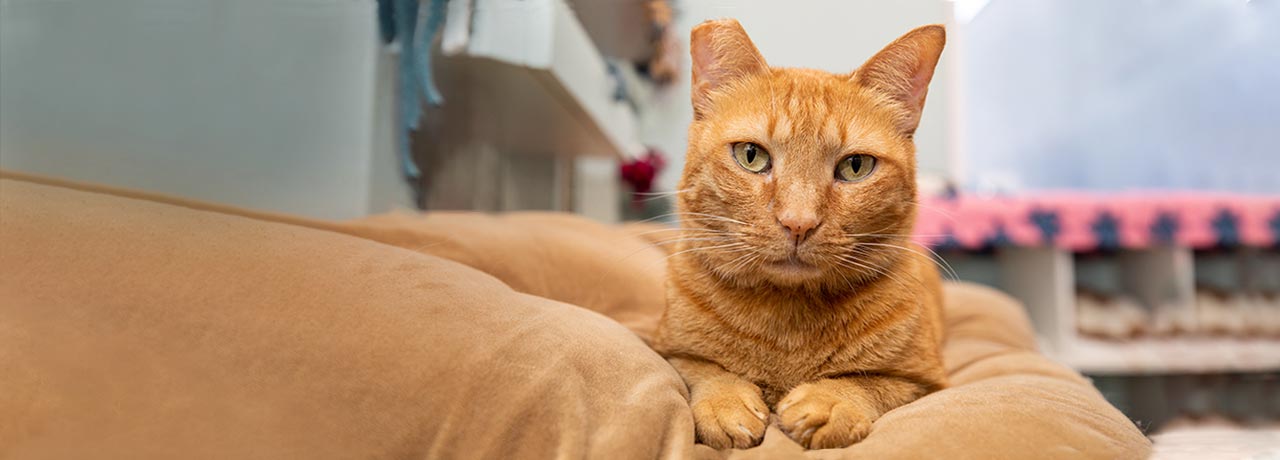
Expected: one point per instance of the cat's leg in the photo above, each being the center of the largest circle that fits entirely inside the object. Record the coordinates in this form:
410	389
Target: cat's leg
838	412
728	412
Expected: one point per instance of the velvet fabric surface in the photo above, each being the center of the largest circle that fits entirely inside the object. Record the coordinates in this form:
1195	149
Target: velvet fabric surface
141	326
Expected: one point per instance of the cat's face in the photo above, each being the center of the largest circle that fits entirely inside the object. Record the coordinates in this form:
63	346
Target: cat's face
796	176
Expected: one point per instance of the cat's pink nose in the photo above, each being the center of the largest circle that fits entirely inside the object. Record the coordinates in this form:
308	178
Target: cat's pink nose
800	226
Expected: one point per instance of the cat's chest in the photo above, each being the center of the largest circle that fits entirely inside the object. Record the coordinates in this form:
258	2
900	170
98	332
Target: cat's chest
779	344
786	359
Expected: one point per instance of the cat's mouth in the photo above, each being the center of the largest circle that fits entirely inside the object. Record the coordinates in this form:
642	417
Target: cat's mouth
792	262
792	268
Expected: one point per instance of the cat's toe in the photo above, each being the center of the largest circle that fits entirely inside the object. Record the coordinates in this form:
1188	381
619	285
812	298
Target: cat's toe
846	426
734	420
820	420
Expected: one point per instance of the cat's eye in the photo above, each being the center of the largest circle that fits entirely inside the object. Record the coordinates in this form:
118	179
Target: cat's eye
854	168
751	157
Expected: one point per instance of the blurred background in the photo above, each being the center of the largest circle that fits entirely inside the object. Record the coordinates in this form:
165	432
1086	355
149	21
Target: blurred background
1112	164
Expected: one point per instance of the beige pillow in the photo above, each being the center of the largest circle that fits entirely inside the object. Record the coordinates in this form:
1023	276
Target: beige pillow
134	329
142	326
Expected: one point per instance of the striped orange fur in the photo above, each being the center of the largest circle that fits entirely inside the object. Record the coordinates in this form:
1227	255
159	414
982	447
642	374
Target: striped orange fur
792	290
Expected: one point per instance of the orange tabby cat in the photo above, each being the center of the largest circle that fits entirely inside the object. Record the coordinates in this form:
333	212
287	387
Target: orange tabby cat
795	285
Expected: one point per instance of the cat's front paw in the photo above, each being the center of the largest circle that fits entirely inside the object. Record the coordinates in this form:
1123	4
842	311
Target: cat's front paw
729	415
820	417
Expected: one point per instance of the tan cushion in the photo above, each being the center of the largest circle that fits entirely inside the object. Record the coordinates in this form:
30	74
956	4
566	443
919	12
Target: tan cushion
142	326
133	329
558	256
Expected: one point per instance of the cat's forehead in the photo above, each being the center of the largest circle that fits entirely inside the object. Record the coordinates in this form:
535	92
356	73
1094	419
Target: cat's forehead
806	106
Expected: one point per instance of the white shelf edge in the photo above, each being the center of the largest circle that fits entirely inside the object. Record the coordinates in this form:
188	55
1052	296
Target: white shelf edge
1192	355
545	39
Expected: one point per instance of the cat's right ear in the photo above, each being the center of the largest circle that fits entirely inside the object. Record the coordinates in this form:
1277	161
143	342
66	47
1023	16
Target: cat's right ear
722	52
902	70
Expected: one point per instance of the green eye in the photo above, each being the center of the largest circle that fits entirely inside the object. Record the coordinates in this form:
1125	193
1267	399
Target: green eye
752	157
854	168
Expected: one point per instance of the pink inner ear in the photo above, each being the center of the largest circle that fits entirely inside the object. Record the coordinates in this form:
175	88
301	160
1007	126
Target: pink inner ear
721	52
903	70
700	51
920	84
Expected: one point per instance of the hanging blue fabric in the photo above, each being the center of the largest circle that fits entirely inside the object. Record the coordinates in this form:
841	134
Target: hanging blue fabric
429	23
386	21
406	15
414	28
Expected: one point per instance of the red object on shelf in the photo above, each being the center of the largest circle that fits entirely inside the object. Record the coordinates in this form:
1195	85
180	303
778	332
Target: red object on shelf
641	172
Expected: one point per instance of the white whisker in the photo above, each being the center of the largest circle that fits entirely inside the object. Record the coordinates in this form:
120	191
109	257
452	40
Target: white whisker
943	212
937	260
689	229
696	214
681	240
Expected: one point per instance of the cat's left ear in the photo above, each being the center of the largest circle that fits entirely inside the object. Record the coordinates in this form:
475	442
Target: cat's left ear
902	72
722	52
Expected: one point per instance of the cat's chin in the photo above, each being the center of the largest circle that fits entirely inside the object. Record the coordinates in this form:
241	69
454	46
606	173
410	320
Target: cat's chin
791	271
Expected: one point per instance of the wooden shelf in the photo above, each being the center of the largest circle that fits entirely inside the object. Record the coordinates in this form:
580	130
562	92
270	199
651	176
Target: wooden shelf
529	80
1171	355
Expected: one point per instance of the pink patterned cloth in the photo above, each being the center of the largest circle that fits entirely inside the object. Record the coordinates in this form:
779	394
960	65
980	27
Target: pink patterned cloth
1081	221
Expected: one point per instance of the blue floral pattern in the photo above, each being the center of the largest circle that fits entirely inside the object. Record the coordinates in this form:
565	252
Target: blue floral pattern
1107	229
1047	222
1227	227
949	241
1275	229
1165	228
999	238
1091	222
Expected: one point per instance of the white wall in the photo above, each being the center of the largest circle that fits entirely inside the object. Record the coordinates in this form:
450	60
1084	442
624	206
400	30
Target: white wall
832	35
264	104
